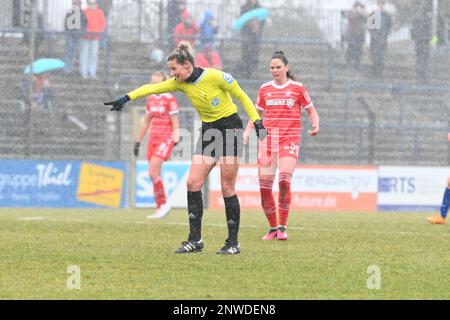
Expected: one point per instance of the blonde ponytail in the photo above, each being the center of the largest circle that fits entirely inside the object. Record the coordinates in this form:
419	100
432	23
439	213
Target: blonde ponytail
183	53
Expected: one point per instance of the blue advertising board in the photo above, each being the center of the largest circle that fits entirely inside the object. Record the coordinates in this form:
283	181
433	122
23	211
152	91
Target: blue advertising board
174	176
62	184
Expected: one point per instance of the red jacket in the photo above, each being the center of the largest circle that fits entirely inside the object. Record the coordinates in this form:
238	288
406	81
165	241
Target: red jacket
183	32
96	22
214	61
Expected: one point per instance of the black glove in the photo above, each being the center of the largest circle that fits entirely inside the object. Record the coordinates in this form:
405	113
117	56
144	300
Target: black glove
261	132
118	104
136	149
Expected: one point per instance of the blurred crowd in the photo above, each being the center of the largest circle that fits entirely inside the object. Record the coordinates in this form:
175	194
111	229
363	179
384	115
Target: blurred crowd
86	29
182	27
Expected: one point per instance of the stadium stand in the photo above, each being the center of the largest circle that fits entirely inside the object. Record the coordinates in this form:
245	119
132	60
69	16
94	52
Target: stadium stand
392	120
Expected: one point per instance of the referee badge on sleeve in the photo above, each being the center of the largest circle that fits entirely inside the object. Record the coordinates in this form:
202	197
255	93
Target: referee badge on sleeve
228	78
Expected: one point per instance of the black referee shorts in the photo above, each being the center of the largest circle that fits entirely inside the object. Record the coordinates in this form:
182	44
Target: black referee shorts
221	138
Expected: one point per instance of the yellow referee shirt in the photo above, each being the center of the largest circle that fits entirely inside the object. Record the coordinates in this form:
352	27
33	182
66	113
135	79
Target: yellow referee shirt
210	95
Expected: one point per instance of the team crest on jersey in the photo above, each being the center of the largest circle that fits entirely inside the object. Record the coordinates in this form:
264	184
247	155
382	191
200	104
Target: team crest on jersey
215	102
228	78
290	103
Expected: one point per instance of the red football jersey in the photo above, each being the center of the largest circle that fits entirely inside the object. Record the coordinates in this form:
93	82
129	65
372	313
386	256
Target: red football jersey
161	107
283	108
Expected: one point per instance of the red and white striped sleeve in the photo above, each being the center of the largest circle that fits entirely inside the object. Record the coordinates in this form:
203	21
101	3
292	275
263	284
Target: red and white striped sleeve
173	105
261	100
148	105
305	99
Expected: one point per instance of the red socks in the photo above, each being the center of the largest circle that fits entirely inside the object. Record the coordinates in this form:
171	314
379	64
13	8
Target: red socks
284	197
158	191
267	202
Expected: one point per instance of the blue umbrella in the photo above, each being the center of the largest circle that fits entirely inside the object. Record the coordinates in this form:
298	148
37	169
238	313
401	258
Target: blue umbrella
45	65
260	14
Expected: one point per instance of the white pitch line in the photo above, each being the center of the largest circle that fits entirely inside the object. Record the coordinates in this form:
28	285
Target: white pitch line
403	233
250	226
31	219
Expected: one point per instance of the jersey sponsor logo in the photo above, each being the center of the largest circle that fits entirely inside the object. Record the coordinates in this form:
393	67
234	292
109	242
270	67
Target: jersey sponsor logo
228	78
280	102
215	102
157	109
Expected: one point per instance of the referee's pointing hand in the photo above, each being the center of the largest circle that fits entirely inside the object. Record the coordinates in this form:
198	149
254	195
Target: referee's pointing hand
118	104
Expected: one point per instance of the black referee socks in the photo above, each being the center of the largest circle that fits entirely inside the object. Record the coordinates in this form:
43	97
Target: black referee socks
195	211
233	213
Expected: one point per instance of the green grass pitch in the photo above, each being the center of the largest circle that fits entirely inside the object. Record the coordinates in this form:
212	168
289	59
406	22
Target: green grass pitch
122	255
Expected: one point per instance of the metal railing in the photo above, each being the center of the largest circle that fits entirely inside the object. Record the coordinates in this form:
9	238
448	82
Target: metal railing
377	144
435	123
397	91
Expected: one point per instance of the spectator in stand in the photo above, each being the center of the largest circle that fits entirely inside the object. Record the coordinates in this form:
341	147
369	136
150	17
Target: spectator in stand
106	6
16	12
421	34
251	37
42	91
75	26
208	29
174	10
40	36
186	30
379	37
356	35
96	23
208	58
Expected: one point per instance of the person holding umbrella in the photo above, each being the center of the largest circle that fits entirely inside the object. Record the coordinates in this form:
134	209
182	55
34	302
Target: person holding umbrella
42	91
251	37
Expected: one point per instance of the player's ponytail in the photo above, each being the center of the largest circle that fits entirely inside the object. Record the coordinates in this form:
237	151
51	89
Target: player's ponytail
183	53
280	56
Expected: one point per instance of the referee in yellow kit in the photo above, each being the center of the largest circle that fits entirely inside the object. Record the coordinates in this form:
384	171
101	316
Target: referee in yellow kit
209	91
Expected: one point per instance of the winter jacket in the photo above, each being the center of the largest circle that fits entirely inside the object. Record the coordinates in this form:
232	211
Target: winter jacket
96	23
